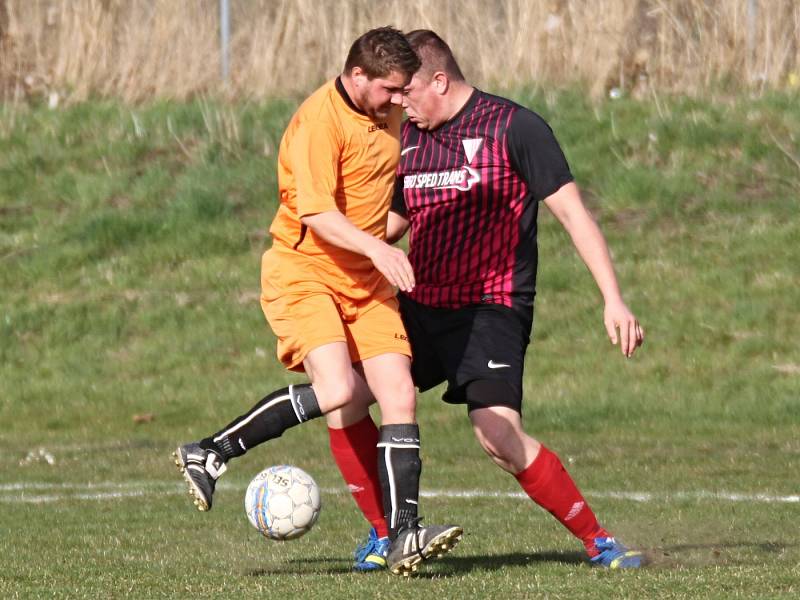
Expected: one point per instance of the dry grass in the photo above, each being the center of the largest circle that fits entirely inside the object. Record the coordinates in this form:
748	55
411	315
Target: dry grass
140	49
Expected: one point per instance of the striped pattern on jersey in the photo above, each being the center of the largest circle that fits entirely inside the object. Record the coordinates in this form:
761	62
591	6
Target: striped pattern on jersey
473	219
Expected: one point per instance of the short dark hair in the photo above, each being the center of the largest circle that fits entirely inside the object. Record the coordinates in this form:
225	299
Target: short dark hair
380	51
435	54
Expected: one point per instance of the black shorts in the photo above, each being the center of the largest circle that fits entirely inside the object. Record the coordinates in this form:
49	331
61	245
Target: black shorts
483	342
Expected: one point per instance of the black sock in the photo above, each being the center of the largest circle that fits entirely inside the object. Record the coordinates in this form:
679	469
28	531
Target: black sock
399	468
267	420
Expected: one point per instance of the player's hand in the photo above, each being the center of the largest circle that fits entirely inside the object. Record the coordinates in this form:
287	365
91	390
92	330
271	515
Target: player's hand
393	264
622	327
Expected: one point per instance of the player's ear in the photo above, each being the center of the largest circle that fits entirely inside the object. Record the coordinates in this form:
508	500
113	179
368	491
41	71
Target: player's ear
357	75
441	82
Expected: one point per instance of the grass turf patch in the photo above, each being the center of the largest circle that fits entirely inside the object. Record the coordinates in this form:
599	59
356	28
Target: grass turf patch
129	321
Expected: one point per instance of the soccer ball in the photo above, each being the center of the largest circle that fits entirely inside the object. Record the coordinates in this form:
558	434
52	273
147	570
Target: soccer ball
282	502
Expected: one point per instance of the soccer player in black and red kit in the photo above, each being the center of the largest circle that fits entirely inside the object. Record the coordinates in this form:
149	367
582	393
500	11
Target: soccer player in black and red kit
473	169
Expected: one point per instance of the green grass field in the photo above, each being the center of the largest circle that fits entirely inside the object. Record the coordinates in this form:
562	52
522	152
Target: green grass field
130	241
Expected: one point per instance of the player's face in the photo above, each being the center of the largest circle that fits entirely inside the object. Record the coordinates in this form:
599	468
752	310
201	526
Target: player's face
378	95
421	102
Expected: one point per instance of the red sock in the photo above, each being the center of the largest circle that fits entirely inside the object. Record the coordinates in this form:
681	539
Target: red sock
355	450
548	484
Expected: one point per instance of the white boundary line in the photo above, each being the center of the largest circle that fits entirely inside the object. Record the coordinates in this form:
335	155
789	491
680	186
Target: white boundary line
32	493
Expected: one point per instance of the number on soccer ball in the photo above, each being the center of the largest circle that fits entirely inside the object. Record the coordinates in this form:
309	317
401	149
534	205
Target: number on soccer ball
282	502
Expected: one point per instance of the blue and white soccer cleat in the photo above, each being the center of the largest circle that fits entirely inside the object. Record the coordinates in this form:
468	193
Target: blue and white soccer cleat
615	555
371	555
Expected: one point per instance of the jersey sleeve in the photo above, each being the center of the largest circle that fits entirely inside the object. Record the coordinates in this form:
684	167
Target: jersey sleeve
315	154
398	199
536	155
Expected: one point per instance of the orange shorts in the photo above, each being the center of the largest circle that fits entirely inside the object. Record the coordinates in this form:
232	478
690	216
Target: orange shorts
306	314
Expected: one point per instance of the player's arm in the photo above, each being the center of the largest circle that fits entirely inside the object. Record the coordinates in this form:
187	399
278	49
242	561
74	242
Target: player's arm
568	208
536	155
397	223
396	227
315	154
337	229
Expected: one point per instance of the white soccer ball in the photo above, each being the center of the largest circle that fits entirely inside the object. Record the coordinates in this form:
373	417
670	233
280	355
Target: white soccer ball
282	502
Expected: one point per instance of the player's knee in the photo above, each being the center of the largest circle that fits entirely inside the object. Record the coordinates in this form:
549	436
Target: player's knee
332	394
507	453
400	405
499	432
406	394
494	443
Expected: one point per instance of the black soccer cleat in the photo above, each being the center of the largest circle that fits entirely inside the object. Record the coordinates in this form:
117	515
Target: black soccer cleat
415	544
201	468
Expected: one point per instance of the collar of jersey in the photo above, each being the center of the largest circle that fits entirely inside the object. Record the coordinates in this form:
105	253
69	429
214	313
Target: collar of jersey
347	100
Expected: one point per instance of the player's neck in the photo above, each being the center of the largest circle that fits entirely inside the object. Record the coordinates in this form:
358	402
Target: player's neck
350	89
459	94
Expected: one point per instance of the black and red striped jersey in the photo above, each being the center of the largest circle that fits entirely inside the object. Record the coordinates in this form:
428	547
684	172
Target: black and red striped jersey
470	189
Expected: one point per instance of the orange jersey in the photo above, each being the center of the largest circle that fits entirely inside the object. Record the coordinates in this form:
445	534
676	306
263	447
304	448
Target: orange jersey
333	157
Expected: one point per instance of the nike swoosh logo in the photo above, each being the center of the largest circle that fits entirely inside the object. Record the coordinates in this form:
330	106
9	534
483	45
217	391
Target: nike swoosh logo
407	150
494	365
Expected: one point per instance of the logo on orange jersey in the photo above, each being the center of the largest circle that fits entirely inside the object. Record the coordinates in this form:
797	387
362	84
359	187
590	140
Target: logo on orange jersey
378	127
